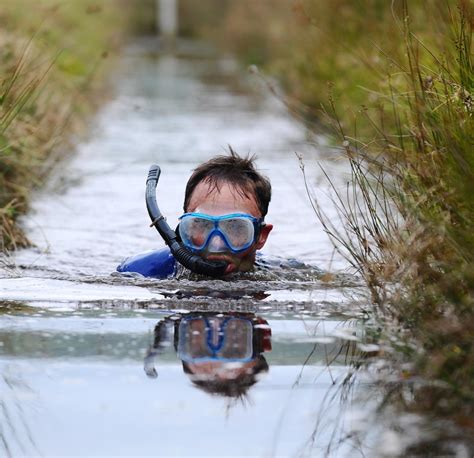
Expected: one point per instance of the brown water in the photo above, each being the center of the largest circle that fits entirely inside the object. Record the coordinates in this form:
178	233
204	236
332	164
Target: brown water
78	344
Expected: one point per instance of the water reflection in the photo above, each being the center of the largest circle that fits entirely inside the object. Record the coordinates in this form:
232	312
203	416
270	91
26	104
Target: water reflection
84	362
15	431
222	353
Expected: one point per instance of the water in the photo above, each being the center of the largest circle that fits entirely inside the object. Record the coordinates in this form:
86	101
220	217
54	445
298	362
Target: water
77	341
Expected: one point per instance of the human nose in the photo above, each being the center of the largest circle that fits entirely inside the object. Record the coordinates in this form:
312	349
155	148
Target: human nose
216	244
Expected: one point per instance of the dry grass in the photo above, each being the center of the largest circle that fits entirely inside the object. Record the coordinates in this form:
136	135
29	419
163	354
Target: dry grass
51	76
409	210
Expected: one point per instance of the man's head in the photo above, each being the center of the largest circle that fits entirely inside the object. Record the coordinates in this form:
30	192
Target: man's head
227	185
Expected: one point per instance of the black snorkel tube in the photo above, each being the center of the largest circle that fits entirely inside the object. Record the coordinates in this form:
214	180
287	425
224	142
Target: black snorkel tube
184	256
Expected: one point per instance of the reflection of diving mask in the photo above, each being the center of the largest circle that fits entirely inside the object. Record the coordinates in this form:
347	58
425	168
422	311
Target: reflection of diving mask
236	231
215	339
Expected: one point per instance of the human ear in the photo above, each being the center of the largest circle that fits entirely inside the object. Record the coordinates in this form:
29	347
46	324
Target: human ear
262	238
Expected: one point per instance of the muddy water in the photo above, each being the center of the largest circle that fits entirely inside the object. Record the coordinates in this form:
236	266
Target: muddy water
95	364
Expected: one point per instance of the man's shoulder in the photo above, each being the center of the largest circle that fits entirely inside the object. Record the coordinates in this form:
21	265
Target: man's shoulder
155	263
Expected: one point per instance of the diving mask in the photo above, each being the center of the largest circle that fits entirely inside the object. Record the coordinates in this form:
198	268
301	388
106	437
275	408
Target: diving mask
227	339
235	232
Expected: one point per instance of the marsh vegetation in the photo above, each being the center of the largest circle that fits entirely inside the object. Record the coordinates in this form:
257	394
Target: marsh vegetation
53	60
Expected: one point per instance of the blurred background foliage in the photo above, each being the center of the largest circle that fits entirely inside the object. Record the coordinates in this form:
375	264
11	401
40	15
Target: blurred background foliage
52	74
326	48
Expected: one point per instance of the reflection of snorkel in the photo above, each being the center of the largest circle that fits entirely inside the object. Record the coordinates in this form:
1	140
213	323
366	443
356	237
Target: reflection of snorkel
185	257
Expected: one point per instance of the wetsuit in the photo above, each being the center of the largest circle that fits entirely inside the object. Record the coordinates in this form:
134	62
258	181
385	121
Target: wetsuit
161	264
156	264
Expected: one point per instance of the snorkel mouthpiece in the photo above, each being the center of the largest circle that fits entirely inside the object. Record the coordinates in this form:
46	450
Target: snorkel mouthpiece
184	256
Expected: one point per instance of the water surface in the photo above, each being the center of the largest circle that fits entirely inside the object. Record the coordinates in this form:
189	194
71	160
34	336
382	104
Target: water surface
81	372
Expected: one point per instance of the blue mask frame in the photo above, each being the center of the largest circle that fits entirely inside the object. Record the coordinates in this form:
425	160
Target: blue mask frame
257	224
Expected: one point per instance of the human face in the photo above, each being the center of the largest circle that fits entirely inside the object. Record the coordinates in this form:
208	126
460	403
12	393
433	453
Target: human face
223	201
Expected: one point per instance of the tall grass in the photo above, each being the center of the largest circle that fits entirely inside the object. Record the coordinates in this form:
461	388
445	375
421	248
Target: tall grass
10	107
51	75
409	211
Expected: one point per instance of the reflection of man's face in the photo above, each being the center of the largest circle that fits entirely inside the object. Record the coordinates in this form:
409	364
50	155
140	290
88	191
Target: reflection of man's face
222	352
223	201
219	370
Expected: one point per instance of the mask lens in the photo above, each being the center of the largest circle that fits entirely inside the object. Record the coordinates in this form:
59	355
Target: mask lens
238	231
193	340
228	339
194	231
238	342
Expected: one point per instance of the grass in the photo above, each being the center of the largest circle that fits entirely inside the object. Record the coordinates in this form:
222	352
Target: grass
409	210
52	74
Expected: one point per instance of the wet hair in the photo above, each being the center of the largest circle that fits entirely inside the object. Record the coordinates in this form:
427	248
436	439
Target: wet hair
240	172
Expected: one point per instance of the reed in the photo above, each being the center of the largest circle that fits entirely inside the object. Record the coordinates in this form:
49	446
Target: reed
409	210
52	73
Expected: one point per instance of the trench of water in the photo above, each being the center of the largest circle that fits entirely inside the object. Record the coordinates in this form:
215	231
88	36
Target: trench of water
86	367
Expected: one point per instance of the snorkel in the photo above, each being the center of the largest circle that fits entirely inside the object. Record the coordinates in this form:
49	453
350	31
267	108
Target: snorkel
184	256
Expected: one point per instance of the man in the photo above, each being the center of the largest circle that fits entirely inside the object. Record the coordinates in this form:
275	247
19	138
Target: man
225	204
